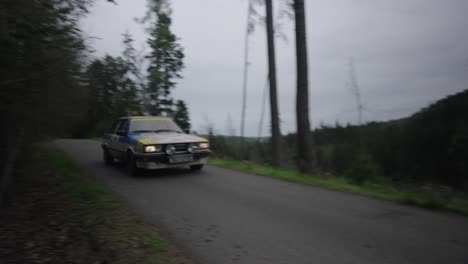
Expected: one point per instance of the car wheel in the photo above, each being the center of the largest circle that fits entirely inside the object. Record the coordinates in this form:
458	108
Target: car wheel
108	159
196	167
130	163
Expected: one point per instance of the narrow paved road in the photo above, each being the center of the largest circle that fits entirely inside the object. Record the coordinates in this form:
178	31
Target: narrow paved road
221	216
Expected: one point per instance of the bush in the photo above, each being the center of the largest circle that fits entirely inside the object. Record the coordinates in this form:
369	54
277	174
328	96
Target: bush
362	170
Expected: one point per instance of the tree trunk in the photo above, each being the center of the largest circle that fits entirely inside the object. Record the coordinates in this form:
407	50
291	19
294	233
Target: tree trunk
305	159
243	149
275	129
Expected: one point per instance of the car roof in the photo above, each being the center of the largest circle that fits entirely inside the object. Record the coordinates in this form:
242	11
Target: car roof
137	117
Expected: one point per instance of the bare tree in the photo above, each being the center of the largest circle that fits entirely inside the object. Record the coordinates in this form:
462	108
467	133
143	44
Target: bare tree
230	130
262	109
305	156
275	128
249	29
354	85
208	125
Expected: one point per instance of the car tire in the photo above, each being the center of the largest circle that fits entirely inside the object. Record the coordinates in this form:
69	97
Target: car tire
130	164
108	159
196	167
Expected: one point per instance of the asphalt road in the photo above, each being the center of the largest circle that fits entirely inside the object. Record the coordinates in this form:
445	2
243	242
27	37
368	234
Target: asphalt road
221	216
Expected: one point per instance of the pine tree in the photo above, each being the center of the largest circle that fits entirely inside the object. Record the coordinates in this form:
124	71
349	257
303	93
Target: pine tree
181	116
165	59
135	85
112	91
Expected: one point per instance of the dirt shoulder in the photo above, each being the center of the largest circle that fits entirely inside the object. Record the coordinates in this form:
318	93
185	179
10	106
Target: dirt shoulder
59	216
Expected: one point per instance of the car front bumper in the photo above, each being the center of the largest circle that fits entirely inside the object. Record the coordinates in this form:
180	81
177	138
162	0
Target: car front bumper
161	160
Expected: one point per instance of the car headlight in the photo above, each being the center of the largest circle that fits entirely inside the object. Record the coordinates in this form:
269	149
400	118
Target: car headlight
170	149
152	148
204	145
191	148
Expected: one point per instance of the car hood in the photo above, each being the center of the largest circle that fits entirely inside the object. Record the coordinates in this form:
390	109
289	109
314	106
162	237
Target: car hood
166	138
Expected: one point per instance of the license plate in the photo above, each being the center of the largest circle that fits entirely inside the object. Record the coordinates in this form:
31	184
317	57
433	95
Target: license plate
181	159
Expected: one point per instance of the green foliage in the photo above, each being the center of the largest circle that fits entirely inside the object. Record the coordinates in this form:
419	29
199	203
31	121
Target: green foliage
181	115
440	146
112	93
363	169
96	214
165	60
225	147
40	66
117	86
135	61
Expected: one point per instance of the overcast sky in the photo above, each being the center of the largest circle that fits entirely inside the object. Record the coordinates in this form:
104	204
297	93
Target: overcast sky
407	53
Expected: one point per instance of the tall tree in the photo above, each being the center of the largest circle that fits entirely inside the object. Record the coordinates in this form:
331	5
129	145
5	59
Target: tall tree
248	31
129	53
42	58
165	59
305	157
112	92
275	126
136	80
181	115
253	17
98	94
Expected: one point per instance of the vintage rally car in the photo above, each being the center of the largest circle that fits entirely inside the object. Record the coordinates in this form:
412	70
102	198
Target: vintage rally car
151	142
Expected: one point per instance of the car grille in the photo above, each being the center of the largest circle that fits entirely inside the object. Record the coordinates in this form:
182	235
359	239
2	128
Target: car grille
180	147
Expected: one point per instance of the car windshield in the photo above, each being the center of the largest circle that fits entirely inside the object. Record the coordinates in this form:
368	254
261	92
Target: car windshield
148	125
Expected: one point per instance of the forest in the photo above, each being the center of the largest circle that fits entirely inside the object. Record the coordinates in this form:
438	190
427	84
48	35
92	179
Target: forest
52	85
63	199
430	146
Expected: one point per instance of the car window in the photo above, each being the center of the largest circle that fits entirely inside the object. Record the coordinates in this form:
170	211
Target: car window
153	124
123	125
113	127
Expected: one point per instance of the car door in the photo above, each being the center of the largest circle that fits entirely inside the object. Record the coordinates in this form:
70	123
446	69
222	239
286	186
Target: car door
114	138
121	141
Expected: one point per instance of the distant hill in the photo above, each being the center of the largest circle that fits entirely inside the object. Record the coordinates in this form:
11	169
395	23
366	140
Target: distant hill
436	140
428	146
431	145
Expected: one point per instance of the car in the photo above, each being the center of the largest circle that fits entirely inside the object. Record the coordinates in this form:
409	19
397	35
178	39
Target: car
153	142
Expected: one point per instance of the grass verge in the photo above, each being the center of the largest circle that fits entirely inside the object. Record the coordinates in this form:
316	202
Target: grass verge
384	191
60	216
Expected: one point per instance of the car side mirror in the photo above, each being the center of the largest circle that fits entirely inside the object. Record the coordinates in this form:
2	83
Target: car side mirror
121	132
